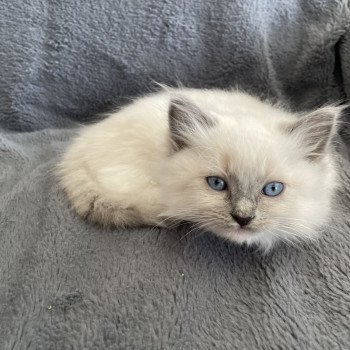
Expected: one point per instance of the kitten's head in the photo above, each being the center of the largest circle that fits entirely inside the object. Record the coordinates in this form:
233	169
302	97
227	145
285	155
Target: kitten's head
249	177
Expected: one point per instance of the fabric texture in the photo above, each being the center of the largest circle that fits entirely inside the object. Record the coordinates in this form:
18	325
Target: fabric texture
65	284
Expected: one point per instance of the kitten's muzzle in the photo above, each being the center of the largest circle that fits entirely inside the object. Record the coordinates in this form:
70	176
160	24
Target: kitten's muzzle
242	221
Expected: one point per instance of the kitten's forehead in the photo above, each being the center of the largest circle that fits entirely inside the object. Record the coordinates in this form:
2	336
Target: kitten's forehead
251	149
255	160
248	151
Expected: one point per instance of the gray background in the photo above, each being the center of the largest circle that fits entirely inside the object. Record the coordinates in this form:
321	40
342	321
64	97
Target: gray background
65	284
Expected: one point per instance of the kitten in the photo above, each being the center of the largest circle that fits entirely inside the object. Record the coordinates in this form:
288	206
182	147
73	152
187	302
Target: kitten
225	161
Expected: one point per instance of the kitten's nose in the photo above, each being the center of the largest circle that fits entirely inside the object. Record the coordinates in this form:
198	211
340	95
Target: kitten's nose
242	221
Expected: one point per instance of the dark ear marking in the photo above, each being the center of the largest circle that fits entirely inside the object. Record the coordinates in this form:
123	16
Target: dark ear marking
184	118
315	130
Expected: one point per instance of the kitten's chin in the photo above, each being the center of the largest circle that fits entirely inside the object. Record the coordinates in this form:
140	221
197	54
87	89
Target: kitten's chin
237	234
263	240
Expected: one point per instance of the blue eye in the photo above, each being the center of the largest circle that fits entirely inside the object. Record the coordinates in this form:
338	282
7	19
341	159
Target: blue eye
216	183
273	189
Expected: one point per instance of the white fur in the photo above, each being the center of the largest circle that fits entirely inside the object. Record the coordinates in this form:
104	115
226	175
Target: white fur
122	170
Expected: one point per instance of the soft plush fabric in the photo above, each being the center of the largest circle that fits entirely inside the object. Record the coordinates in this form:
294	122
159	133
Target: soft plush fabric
65	284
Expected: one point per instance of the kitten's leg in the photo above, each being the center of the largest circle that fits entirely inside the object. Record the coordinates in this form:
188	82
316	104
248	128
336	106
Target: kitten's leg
104	212
95	204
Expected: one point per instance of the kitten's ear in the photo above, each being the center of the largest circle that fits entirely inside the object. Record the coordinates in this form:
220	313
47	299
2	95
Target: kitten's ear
185	118
315	130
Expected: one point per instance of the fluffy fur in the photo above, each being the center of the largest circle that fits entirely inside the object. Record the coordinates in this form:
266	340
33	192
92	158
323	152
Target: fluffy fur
147	165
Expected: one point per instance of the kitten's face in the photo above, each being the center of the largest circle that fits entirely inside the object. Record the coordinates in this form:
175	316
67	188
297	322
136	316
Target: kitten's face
249	181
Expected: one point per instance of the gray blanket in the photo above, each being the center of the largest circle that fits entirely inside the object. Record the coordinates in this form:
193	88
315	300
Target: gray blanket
65	284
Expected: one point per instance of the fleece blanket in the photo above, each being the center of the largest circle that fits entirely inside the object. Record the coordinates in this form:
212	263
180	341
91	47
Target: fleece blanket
65	284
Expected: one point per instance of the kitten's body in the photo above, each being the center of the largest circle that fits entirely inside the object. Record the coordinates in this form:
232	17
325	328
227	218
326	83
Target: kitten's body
146	164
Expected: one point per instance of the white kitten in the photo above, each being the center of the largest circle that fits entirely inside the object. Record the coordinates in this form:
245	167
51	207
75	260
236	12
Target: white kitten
223	160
